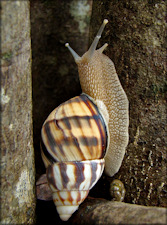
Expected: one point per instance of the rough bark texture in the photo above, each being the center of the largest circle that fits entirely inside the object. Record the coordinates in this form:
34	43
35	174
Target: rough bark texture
100	211
17	153
136	37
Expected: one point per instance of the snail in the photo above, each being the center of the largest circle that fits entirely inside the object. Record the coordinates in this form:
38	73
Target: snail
86	132
117	190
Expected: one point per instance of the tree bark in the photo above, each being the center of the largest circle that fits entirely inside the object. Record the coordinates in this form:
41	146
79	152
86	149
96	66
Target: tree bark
100	211
136	37
17	153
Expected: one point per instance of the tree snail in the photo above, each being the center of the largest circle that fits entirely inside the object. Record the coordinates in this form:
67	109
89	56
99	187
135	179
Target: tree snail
85	132
117	190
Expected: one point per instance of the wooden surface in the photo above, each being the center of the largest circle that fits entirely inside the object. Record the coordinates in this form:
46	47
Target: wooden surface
137	45
17	153
100	211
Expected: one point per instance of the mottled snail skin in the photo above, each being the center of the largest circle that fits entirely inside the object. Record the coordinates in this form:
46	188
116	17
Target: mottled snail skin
117	190
74	142
98	79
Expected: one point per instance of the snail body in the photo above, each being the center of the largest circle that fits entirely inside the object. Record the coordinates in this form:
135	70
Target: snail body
85	132
99	80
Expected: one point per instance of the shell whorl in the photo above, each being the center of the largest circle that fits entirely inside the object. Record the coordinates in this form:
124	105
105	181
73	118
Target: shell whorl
74	131
74	176
74	142
70	183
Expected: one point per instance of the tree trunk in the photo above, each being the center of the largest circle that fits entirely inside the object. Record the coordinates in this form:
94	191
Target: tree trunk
136	37
17	153
100	211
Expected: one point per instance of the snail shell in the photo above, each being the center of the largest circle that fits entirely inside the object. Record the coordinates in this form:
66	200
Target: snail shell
72	182
117	190
74	141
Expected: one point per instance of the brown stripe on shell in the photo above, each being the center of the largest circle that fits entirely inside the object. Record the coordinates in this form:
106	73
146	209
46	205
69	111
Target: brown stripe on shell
61	199
50	176
75	121
65	121
79	173
84	175
94	167
67	141
100	123
72	144
52	180
68	122
63	171
46	153
97	117
53	145
93	173
91	140
70	199
86	141
79	197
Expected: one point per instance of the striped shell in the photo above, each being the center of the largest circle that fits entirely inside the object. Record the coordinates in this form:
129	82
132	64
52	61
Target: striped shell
74	142
74	131
71	182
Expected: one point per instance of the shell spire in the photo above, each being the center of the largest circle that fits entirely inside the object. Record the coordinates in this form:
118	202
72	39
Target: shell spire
81	177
